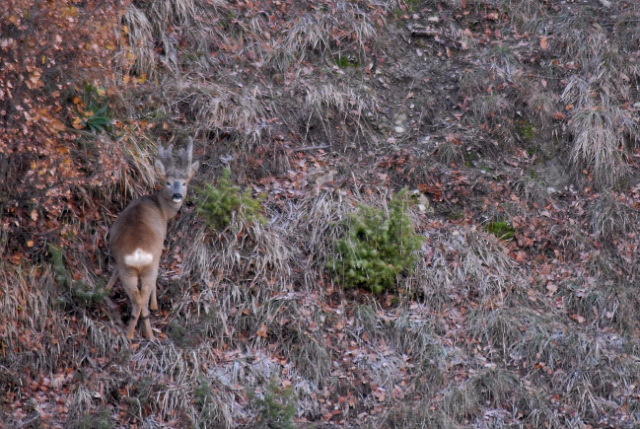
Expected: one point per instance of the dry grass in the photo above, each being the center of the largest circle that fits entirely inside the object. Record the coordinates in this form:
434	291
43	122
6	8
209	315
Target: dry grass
347	27
476	260
417	338
612	218
599	145
601	127
311	225
252	252
214	108
416	416
140	41
326	103
191	88
33	329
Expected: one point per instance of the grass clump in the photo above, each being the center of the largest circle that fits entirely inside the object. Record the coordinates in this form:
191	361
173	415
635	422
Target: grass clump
220	203
376	247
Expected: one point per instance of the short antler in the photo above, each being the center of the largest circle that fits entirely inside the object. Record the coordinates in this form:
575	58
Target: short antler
184	156
164	155
190	150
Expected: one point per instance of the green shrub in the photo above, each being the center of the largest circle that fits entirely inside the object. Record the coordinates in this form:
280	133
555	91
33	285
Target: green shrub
278	408
219	203
99	420
87	296
376	247
61	275
92	110
204	402
82	294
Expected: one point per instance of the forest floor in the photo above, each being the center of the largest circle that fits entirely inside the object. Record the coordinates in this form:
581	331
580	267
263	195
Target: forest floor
512	126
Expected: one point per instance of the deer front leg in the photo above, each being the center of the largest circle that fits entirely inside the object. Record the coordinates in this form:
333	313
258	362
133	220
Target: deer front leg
130	284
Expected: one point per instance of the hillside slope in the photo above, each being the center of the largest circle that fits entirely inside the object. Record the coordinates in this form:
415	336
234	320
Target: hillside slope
513	126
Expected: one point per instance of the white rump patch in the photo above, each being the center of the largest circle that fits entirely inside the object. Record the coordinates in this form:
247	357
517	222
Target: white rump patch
138	259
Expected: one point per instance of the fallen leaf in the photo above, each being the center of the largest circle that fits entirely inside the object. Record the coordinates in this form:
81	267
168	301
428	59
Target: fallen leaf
262	332
577	318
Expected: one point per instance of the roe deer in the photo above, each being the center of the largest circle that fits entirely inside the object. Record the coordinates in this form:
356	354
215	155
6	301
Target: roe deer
137	236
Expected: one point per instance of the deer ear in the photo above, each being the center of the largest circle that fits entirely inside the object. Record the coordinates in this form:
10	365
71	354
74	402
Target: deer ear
193	168
160	168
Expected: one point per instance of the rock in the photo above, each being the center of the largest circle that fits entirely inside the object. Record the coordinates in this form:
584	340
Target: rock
400	119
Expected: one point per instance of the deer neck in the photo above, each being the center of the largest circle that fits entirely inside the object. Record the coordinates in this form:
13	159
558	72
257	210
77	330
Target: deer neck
169	208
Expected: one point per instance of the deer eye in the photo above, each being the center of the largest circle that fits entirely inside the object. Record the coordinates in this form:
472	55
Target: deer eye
184	183
168	183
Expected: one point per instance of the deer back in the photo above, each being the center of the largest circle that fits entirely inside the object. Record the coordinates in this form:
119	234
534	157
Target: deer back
141	227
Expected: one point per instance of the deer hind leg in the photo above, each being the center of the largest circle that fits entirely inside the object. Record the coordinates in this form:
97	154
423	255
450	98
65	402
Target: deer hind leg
130	284
148	290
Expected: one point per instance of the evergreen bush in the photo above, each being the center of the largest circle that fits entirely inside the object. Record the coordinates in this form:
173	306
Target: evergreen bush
219	203
376	247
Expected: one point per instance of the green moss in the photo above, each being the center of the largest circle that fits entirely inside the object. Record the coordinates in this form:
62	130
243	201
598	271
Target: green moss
501	229
346	61
456	216
376	247
218	204
525	130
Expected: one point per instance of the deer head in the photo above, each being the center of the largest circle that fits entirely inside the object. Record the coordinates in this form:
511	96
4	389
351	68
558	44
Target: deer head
175	173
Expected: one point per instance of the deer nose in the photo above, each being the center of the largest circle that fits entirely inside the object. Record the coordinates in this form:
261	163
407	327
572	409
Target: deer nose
177	197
